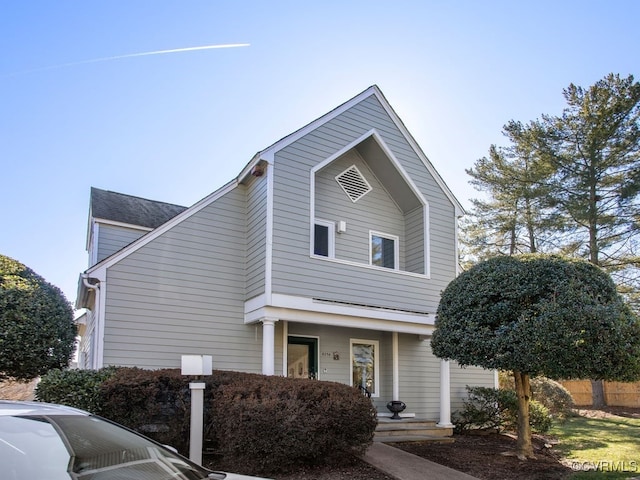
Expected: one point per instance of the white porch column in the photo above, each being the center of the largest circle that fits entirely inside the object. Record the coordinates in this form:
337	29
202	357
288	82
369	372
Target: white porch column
396	367
445	395
268	346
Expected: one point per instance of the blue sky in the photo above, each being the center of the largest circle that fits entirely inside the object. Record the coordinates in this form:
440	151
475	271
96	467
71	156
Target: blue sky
176	126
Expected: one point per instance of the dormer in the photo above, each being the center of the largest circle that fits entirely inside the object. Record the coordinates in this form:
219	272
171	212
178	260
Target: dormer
366	210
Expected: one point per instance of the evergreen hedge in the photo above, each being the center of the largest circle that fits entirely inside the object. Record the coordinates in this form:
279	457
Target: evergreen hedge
254	424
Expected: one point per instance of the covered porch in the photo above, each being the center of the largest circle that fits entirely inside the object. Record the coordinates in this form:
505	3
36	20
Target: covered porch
391	364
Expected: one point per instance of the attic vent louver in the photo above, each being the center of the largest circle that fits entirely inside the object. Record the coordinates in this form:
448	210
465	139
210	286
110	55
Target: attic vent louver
353	183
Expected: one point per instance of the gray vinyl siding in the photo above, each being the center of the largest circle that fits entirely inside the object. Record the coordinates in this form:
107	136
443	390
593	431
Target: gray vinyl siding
374	211
183	293
419	369
419	377
471	376
112	238
256	235
296	273
333	339
414	242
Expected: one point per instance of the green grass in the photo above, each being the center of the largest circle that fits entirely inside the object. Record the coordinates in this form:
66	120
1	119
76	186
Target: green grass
610	446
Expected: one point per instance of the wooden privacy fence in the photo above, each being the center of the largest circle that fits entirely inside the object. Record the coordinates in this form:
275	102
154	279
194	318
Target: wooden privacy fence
616	394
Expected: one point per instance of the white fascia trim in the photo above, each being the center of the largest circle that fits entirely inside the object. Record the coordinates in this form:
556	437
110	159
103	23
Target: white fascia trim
403	173
93	271
270	151
426	212
90	229
456	253
318	318
306	310
327	117
131	226
93	245
416	191
375	91
391	271
268	270
425	160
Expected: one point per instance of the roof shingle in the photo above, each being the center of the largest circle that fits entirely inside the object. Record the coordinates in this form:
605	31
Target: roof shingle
118	207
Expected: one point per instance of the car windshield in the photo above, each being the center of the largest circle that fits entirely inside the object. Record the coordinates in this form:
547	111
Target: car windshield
60	447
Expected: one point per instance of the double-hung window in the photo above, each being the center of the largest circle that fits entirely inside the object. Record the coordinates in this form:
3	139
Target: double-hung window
384	250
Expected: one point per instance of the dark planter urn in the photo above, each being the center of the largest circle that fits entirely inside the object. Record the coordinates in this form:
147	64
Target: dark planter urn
395	407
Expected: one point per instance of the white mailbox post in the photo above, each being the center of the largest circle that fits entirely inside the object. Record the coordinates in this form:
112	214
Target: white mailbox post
196	365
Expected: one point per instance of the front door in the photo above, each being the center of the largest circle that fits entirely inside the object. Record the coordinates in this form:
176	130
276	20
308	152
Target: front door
302	357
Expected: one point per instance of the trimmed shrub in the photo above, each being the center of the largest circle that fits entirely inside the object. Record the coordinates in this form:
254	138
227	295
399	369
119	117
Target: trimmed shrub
275	424
254	423
153	402
539	417
556	398
553	396
497	409
75	388
487	409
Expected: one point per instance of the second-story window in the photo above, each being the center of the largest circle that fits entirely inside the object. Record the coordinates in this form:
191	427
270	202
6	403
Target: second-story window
323	238
384	250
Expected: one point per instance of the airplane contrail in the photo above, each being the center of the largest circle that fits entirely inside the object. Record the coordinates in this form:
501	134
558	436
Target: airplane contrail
129	55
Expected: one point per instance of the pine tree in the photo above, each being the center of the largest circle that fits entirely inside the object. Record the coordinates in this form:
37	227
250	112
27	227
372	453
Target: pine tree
512	218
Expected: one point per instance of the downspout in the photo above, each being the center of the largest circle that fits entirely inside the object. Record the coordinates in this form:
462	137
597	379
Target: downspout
97	361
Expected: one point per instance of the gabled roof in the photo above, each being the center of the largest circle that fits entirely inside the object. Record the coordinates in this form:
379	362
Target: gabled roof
176	214
268	153
121	208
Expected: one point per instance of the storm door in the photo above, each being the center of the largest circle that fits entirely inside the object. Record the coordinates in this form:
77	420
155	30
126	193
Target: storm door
302	357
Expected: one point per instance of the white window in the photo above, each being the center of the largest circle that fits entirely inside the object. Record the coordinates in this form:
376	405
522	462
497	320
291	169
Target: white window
384	250
364	365
324	234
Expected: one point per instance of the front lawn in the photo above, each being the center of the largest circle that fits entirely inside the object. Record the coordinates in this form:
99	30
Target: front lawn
598	444
591	445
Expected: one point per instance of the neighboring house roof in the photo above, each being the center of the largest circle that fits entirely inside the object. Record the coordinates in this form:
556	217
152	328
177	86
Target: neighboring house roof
118	207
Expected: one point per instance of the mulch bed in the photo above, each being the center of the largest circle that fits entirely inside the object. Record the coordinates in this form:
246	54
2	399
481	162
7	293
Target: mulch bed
482	456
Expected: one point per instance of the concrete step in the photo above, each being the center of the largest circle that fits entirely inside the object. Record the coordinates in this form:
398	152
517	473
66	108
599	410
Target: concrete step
412	438
431	432
410	430
405	425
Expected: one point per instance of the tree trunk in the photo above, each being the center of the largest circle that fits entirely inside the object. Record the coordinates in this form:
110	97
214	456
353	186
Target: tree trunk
524	447
597	394
597	386
533	248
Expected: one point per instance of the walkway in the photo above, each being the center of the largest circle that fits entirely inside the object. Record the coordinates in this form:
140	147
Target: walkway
402	465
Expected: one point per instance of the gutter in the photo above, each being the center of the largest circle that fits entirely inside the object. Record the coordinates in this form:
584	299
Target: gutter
98	317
